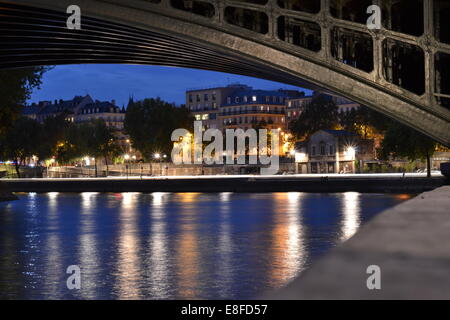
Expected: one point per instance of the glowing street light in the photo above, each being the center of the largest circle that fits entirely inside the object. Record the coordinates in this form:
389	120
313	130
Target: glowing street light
157	156
351	152
126	157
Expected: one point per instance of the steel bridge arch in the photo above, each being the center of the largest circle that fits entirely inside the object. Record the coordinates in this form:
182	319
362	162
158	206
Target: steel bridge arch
33	32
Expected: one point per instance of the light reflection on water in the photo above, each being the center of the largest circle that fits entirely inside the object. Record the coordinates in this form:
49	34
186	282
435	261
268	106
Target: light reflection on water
351	212
171	245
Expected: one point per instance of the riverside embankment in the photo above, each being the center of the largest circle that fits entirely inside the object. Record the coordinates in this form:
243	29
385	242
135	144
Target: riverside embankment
5	193
408	244
382	183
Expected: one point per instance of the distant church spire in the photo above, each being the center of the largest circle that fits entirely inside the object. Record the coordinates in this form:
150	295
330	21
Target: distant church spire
130	100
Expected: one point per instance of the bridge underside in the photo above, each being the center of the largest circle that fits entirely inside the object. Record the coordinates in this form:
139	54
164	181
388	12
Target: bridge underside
159	33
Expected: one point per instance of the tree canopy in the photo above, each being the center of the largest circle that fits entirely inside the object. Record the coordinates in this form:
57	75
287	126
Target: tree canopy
21	141
16	87
321	113
402	141
150	124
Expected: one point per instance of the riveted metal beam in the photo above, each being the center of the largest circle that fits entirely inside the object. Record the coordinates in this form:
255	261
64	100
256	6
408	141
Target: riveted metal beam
147	33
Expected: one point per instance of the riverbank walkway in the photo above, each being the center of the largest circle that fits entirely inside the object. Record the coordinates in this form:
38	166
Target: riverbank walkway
410	243
380	183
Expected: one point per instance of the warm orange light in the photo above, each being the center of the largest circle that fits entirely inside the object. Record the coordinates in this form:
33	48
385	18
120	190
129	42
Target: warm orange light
403	196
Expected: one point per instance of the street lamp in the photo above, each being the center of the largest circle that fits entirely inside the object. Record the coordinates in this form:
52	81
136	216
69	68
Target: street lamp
351	153
126	157
157	156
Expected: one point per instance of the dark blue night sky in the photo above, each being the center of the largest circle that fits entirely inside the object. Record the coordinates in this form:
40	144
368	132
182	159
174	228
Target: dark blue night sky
119	82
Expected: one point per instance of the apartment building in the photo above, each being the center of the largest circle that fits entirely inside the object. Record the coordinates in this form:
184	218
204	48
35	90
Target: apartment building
255	108
205	103
294	107
113	116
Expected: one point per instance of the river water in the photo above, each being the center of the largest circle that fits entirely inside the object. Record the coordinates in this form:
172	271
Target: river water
171	245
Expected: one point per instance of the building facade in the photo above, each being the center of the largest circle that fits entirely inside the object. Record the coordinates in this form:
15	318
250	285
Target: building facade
44	109
84	109
205	104
112	115
78	110
333	151
294	107
239	106
255	109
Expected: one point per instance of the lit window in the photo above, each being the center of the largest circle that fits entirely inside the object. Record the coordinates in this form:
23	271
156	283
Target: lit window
254	98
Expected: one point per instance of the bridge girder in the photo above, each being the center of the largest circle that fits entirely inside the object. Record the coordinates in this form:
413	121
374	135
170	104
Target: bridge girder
143	32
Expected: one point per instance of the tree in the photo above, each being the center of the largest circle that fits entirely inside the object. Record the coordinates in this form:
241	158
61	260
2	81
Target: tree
321	113
21	141
54	134
365	122
151	122
103	143
16	88
402	141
